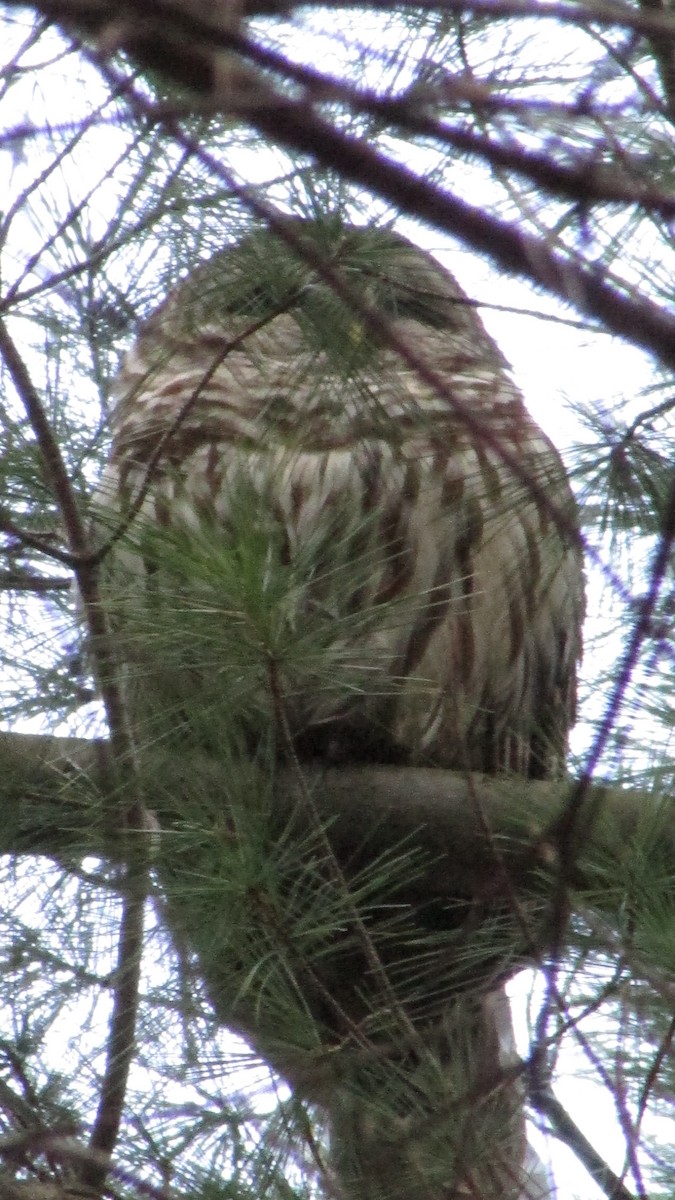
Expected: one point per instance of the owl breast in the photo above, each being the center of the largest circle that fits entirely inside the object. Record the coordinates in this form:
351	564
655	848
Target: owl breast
445	593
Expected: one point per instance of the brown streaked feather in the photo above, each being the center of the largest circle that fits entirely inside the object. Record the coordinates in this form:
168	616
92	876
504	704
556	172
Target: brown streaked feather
482	660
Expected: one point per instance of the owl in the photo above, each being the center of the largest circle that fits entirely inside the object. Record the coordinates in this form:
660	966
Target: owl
339	538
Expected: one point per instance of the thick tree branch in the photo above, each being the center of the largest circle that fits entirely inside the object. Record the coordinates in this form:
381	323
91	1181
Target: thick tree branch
55	794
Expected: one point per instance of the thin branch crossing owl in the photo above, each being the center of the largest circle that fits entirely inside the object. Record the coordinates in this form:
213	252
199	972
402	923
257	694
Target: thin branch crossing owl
339	557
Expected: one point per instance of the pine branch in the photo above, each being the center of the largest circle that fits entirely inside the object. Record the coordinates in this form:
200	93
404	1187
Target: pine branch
56	789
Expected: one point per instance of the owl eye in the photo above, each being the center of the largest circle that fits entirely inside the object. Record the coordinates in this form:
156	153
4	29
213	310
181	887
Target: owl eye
259	282
261	300
422	308
403	303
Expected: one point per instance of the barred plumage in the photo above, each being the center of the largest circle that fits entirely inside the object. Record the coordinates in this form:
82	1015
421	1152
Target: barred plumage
331	429
447	591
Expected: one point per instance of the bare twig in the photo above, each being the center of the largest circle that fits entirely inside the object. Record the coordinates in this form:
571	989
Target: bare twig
128	806
38	585
566	1130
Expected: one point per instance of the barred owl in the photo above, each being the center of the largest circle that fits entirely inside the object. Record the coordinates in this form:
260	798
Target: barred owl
327	561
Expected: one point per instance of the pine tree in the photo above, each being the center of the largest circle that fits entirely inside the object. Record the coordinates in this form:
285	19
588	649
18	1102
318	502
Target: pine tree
540	138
